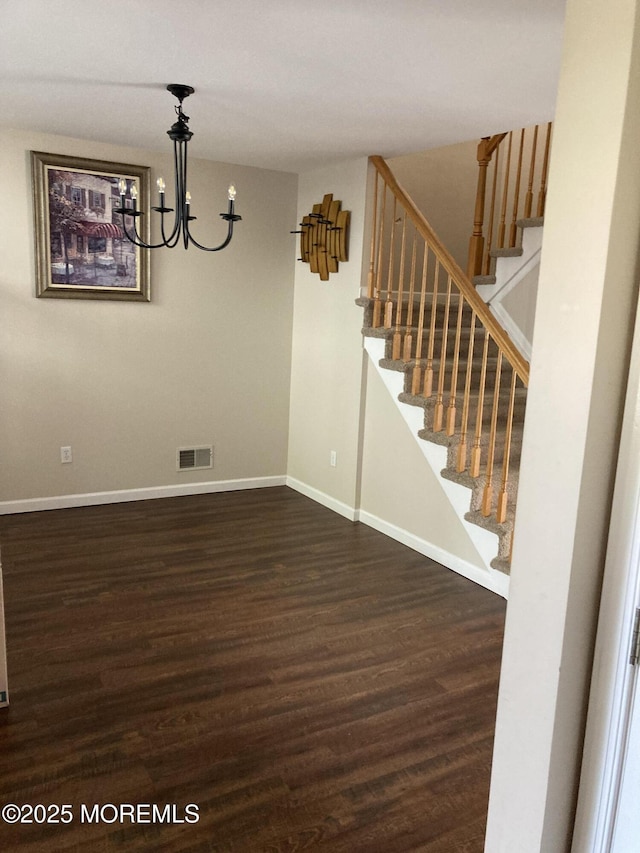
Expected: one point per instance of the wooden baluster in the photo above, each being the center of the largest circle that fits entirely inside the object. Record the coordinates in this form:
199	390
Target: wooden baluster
487	497
377	305
476	450
374	229
396	346
427	389
528	202
438	411
513	231
486	269
542	195
501	512
416	374
408	338
388	308
462	446
451	409
505	193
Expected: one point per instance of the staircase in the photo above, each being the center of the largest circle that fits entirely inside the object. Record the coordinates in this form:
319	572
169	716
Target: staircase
452	364
457	460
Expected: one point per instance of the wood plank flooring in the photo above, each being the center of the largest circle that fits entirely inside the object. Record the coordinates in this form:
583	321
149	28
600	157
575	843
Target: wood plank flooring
307	682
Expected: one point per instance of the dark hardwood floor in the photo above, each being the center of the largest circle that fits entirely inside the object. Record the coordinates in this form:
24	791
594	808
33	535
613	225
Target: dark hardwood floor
307	682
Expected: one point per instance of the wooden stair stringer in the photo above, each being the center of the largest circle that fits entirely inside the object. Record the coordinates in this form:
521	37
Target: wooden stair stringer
485	541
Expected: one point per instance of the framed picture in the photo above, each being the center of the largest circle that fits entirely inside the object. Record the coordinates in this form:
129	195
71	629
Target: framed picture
81	249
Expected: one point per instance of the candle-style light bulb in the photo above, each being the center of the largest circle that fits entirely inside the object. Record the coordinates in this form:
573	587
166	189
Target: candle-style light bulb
122	186
134	192
161	185
187	197
232	193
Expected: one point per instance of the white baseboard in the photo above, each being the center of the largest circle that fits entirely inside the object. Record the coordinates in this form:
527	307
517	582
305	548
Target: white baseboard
126	495
488	578
320	497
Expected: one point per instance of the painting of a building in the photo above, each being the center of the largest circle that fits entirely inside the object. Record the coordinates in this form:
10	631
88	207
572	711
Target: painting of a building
88	246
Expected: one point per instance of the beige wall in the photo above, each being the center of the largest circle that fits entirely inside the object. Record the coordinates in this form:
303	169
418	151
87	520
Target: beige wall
442	182
585	309
326	371
125	384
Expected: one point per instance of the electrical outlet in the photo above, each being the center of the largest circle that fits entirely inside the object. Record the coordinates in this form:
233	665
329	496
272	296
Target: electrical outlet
333	459
65	455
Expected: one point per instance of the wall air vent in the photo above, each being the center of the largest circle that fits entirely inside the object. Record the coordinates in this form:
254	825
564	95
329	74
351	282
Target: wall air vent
193	458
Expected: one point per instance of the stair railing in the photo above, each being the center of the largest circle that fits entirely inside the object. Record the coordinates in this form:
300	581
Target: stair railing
505	161
458	356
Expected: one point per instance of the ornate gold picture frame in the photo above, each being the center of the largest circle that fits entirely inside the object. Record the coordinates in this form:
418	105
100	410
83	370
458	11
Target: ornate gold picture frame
81	251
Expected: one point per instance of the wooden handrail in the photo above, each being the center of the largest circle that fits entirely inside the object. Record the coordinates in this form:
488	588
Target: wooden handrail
449	264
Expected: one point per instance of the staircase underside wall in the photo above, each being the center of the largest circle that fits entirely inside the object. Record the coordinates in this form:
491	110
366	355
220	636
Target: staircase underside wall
403	495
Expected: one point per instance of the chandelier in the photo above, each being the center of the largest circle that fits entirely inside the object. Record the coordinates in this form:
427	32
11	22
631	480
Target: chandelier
180	134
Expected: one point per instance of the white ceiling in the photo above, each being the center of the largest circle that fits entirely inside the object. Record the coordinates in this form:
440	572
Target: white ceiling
280	84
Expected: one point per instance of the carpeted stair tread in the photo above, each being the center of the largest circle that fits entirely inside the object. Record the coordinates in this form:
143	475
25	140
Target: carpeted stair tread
407	367
530	222
501	565
429	403
507	252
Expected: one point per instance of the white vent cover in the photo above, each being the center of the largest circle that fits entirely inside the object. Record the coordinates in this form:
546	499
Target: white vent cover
191	458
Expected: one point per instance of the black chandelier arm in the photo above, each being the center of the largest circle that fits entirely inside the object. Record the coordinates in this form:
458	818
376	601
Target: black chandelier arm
181	227
135	238
231	218
170	242
172	239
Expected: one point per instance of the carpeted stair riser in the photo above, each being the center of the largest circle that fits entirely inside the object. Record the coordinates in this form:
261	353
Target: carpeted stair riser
461	342
475	378
515	448
515	451
477	487
428	403
454	338
368	305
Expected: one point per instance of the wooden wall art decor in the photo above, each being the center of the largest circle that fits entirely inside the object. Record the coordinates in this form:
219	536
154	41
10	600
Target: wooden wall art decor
324	235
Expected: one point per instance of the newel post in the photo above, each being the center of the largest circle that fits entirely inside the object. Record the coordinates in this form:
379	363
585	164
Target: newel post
476	243
486	147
